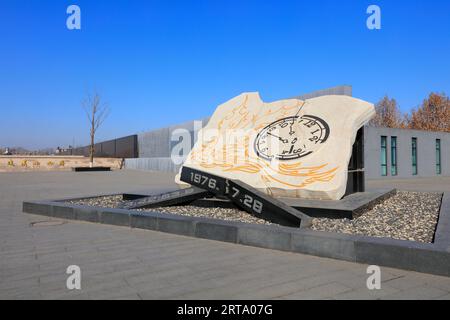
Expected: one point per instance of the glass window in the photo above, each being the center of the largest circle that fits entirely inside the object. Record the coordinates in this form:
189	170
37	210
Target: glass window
394	156
383	156
438	156
414	155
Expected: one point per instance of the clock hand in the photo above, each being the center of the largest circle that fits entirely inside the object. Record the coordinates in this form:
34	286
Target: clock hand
291	132
281	139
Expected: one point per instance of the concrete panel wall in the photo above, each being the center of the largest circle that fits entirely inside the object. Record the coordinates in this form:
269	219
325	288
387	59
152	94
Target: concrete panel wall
164	164
339	90
125	147
154	143
158	143
426	152
108	148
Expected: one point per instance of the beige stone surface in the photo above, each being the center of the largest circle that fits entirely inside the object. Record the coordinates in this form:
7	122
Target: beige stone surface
289	148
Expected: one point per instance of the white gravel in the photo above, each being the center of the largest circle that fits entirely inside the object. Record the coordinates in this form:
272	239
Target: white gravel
191	211
227	214
406	216
104	201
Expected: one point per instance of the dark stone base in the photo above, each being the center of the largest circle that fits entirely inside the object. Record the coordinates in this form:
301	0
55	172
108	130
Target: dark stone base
88	169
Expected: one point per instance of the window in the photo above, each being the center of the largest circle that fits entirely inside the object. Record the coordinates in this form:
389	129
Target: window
394	156
414	156
438	156
383	156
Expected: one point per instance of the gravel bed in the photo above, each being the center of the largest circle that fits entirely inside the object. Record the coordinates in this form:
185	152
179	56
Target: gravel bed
191	211
105	201
405	216
228	214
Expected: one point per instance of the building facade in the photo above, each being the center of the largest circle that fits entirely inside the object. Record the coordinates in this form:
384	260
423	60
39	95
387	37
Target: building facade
403	153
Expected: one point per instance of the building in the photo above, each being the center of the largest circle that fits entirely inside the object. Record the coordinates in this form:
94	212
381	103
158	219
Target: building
402	153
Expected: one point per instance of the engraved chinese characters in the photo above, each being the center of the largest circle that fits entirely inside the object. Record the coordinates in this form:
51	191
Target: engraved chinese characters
286	148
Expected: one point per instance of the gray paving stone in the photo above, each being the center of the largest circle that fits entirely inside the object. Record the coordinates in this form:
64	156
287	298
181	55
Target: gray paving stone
418	293
160	264
365	294
404	283
328	290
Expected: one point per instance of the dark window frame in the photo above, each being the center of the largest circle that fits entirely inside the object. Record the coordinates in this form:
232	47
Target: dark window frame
394	162
438	157
383	156
414	157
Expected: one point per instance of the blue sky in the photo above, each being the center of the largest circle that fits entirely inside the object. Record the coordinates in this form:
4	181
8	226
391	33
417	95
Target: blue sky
163	62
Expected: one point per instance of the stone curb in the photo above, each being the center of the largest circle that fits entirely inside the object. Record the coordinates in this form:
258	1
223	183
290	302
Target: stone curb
442	235
428	258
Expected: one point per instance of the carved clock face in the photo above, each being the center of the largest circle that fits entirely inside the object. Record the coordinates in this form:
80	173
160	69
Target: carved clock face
291	138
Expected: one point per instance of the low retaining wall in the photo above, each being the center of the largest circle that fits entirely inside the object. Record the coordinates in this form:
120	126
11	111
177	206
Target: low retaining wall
52	163
429	258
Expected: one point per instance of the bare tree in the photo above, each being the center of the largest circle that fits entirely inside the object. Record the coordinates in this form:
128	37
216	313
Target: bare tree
96	112
387	114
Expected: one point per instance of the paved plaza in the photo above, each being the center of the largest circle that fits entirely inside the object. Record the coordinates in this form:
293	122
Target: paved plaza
123	263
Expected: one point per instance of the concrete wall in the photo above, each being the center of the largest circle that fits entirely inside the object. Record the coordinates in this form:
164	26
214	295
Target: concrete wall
426	152
339	90
125	147
164	164
158	143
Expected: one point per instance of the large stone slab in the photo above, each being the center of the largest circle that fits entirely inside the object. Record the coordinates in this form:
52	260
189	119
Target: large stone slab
287	148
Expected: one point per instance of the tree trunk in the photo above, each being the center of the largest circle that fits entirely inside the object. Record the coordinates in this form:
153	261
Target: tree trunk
91	151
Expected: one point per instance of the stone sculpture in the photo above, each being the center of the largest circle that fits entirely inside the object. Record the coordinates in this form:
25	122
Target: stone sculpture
286	148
